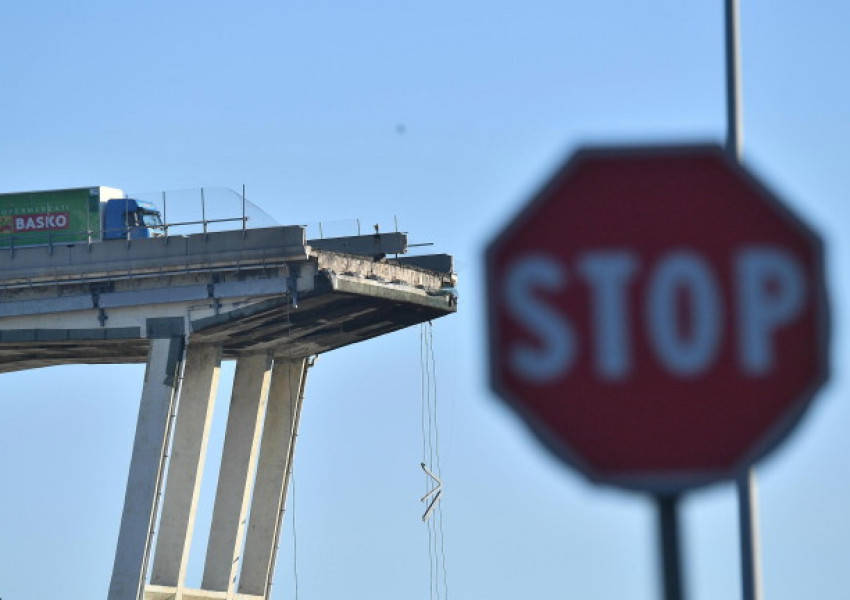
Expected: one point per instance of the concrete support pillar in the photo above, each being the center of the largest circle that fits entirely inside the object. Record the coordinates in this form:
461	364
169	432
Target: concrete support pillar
238	461
276	452
152	428
185	469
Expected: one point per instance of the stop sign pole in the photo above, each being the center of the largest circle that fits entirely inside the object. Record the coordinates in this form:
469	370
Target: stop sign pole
751	582
745	483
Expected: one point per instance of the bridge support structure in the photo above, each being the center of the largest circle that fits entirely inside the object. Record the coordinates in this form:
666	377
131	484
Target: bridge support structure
258	447
268	299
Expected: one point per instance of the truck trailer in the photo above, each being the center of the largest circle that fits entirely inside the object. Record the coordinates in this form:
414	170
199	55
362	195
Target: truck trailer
74	216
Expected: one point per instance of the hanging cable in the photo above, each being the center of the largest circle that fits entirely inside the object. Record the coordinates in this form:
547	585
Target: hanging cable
297	394
426	423
435	492
437	452
433	515
294	542
297	388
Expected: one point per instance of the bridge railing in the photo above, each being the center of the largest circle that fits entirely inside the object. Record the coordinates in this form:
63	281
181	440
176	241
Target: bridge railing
204	210
192	211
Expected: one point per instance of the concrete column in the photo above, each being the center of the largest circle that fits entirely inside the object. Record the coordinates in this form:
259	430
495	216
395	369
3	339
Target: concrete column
238	461
186	467
161	376
276	452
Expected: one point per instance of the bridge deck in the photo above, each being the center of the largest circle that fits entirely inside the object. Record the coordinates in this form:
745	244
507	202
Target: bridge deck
265	289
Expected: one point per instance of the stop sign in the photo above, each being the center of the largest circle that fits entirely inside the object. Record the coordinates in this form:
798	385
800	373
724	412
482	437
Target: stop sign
657	316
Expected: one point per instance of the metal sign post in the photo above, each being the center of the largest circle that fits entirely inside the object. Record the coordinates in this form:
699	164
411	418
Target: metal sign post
733	81
671	554
747	505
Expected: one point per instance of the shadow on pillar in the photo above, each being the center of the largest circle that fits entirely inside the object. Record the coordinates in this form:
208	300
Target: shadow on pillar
146	464
275	467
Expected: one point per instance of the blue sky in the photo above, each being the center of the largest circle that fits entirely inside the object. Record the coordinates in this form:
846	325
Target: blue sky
447	116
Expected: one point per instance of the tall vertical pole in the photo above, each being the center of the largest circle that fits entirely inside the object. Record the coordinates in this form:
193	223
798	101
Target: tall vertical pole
204	213
748	517
746	484
244	219
671	552
733	82
165	216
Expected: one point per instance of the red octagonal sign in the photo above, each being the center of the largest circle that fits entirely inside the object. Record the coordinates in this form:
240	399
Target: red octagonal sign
657	316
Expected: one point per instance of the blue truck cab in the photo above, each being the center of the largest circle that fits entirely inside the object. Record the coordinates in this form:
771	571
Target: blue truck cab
75	216
128	218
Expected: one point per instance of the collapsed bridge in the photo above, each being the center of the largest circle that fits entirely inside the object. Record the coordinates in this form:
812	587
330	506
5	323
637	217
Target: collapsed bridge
267	298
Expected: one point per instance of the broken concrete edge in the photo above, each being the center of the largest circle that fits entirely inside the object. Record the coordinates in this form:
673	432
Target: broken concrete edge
388	271
443	300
